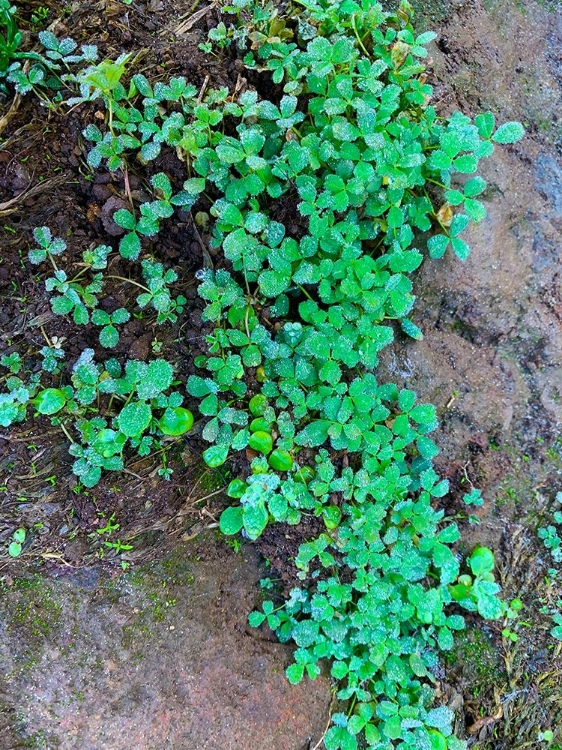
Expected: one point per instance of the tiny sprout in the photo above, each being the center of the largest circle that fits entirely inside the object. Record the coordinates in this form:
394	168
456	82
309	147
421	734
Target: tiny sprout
202	219
18	538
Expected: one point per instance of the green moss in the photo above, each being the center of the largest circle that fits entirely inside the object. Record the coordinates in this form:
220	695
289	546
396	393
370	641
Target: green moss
211	480
37	740
153	585
427	13
36	610
476	655
177	568
430	12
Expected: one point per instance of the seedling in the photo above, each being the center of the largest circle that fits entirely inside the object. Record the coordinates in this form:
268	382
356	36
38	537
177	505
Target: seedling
16	545
551	536
110	526
118	546
49	246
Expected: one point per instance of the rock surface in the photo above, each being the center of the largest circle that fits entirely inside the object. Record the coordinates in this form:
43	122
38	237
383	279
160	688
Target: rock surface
158	658
491	360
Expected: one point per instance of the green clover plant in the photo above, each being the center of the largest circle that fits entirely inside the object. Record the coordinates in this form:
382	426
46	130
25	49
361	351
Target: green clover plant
43	69
323	203
305	313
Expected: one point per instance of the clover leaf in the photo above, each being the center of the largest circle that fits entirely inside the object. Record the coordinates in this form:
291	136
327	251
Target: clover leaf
134	418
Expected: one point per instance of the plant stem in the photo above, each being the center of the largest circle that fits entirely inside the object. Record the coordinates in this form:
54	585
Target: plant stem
130	281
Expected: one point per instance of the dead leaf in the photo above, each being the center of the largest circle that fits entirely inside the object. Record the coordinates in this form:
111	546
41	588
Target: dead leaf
477	727
445	215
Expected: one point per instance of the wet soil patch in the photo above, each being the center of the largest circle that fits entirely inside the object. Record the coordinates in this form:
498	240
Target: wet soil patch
44	181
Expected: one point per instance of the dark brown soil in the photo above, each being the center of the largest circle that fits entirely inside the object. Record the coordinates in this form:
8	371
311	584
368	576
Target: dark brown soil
46	150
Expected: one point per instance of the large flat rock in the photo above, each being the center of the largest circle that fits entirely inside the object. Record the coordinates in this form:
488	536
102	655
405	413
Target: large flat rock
160	657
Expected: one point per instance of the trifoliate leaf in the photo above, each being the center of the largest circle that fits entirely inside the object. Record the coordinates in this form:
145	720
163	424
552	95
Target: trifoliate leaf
200	387
485	124
273	283
161	182
255	519
305	633
460	248
150	150
474	497
109	337
130	246
158	378
295	673
61	305
124	218
406	399
440	718
459	224
475	210
437	245
216	455
475	186
466	164
411	329
424	414
314	434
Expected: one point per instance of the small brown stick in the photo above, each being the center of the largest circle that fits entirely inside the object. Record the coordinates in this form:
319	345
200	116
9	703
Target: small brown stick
321	740
240	83
54	556
192	20
203	88
5	119
128	187
133	474
184	511
11	206
207	260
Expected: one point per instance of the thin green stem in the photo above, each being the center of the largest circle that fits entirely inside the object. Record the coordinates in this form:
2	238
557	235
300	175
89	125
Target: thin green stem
360	41
130	281
303	290
66	432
